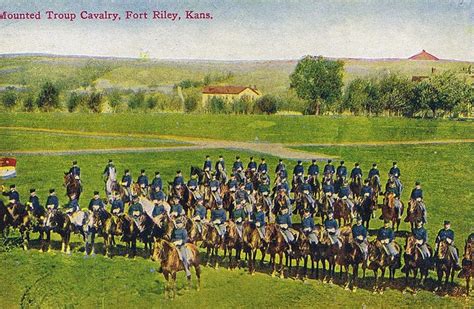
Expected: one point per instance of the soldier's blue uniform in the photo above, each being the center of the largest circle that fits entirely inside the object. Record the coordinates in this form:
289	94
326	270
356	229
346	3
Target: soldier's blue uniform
181	235
117	204
158	209
356	171
233	184
283	174
263	167
328	188
35	206
308	226
448	235
313	169
207	165
157	182
96	202
331	224
359	230
237	165
284	185
73	205
298	169
178	209
444	234
308	222
52	200
127	181
286	219
395	171
416	193
142	180
214	184
259	217
374	171
420	234
249	186
220	165
329	169
238	213
178	181
367	189
341	171
306	187
75	171
387	233
220	217
252	165
280	166
344	191
136	207
200	211
158	195
12	195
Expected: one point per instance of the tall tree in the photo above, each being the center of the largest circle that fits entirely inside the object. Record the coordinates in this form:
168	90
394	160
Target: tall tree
318	81
48	98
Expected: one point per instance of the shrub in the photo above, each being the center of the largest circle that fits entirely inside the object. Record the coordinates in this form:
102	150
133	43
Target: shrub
137	100
190	104
217	105
29	104
151	102
48	98
267	104
94	102
74	101
9	98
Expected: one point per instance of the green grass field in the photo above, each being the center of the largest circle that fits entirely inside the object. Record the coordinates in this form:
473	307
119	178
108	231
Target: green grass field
57	280
255	128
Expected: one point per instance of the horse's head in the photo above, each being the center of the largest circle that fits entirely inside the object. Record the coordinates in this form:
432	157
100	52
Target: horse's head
375	250
410	245
270	232
158	250
443	250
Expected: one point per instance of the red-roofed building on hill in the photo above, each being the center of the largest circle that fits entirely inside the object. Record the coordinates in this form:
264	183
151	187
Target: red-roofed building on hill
229	93
423	55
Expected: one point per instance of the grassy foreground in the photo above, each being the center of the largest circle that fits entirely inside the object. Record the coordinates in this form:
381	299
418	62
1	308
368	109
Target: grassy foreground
278	129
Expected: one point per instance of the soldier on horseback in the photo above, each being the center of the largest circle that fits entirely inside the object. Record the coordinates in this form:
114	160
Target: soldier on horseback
176	209
391	187
158	194
179	238
238	215
75	171
421	236
117	205
259	218
417	197
332	228
329	169
72	206
220	169
109	169
328	191
306	191
264	178
136	209
13	195
344	195
126	183
143	182
356	172
308	227
446	234
262	167
34	204
218	218
283	220
52	201
341	171
158	213
313	169
233	184
280	166
395	173
367	190
178	180
374	174
200	213
359	234
96	203
214	186
252	165
238	166
207	164
298	175
156	182
386	237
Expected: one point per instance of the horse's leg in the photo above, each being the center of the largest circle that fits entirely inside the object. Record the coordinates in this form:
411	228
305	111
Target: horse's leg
197	268
167	285
173	284
382	276
376	279
68	240
216	256
48	237
282	275
305	269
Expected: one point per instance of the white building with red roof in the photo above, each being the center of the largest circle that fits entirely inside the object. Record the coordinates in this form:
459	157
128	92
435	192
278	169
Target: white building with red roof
229	93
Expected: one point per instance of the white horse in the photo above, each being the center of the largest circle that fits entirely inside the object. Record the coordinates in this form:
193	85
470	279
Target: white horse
110	182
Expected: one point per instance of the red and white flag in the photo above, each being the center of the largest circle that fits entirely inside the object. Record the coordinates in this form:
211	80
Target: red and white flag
7	168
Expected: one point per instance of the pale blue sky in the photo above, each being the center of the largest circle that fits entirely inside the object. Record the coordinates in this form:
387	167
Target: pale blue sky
250	29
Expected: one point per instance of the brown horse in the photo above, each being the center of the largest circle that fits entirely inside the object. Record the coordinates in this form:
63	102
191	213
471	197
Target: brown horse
232	242
350	254
379	259
329	253
303	250
375	188
414	213
16	216
252	242
356	186
315	187
467	262
194	235
212	242
73	186
414	262
342	212
99	223
389	211
324	206
170	262
365	209
444	264
276	246
58	222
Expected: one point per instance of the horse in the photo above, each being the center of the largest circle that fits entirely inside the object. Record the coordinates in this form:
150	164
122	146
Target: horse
350	254
111	183
414	213
170	263
324	207
212	242
373	183
98	224
414	262
228	200
252	242
380	259
315	186
17	216
60	223
3	220
303	250
276	246
389	211
365	209
329	253
232	242
444	262
318	251
73	186
342	212
467	262
194	235
356	186
302	203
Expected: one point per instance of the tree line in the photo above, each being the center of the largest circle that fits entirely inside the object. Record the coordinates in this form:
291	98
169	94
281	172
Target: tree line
316	87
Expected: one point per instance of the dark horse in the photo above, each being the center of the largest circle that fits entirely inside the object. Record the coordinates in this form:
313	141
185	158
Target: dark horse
379	259
467	262
252	243
351	255
365	209
232	242
212	242
73	186
16	215
356	186
444	264
414	213
170	261
58	222
414	262
276	246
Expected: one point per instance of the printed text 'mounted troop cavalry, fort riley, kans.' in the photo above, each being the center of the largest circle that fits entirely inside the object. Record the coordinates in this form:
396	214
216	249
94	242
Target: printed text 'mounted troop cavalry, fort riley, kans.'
106	15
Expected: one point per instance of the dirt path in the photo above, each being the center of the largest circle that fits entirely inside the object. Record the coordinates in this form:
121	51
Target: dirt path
274	149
